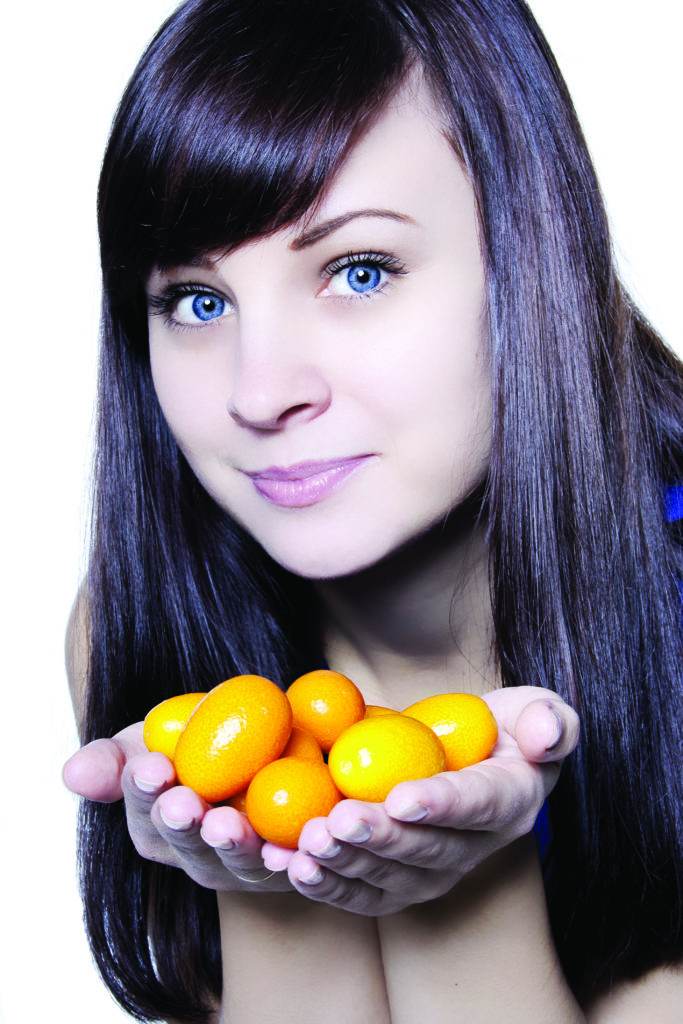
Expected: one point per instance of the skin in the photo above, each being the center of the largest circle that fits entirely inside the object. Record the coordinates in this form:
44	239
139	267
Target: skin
288	371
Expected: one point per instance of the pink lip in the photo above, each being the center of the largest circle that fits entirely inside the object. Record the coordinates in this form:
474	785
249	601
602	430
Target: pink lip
307	490
301	470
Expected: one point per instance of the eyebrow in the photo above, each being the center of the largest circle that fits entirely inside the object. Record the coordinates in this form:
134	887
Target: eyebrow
308	238
328	226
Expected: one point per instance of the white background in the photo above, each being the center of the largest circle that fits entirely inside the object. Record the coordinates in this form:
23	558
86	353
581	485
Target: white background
64	68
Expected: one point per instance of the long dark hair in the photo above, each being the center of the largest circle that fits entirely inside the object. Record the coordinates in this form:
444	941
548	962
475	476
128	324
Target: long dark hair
236	117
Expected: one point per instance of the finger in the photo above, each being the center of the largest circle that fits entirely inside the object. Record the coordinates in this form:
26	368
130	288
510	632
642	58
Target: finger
95	770
178	817
403	862
547	730
527	713
324	886
417	848
229	833
491	795
239	849
143	778
276	858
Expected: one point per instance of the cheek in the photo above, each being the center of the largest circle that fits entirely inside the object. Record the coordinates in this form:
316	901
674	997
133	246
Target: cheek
191	395
434	388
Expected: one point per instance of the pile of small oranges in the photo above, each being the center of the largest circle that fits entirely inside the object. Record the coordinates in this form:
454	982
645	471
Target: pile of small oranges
283	757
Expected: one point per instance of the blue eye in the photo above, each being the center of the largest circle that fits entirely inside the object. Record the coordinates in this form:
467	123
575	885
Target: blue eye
207	307
363	273
202	305
363	279
200	302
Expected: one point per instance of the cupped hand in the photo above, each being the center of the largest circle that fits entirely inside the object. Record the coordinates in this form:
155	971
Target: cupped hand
373	859
168	823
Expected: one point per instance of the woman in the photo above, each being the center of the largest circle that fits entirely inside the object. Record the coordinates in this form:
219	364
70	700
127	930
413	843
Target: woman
503	531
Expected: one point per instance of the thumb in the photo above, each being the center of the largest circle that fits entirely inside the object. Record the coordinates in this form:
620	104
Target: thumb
94	771
547	730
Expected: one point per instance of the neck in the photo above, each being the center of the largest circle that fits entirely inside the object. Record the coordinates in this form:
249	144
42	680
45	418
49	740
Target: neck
419	621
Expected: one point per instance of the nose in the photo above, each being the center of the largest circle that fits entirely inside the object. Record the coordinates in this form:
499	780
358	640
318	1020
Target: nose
274	381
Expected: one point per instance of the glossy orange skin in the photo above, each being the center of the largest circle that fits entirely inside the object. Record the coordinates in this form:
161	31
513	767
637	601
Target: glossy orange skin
377	710
286	794
241	725
324	703
464	724
239	801
302	745
373	756
164	722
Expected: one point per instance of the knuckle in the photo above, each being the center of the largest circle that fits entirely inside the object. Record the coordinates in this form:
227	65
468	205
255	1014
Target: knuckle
437	849
383	841
446	791
485	807
377	873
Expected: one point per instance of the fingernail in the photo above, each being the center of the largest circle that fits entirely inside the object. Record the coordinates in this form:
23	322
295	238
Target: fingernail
358	832
314	878
145	785
330	850
220	844
556	733
409	812
177	826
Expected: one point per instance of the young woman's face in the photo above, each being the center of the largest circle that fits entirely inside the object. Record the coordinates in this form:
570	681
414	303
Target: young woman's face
288	358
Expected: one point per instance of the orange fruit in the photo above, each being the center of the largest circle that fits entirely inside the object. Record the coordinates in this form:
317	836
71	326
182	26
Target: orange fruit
239	801
241	725
373	756
463	722
375	710
164	723
325	703
285	794
302	745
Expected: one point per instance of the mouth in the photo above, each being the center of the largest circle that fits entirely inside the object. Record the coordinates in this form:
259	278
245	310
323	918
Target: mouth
298	492
303	470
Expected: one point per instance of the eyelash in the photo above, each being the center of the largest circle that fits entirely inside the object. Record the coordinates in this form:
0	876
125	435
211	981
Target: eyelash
164	304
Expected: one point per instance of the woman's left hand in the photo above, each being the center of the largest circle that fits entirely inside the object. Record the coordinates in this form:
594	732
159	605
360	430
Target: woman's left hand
470	814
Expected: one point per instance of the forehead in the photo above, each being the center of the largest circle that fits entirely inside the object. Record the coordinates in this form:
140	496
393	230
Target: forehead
403	171
396	163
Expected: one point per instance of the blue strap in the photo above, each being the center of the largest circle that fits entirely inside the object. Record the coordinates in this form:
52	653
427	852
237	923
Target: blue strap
542	830
673	500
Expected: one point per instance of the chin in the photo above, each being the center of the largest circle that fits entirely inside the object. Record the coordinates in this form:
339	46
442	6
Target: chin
318	555
323	565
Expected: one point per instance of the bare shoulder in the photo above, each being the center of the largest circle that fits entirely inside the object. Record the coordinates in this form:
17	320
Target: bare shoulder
76	644
657	996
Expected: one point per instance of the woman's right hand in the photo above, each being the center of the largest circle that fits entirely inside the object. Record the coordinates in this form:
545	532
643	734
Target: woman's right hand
106	770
